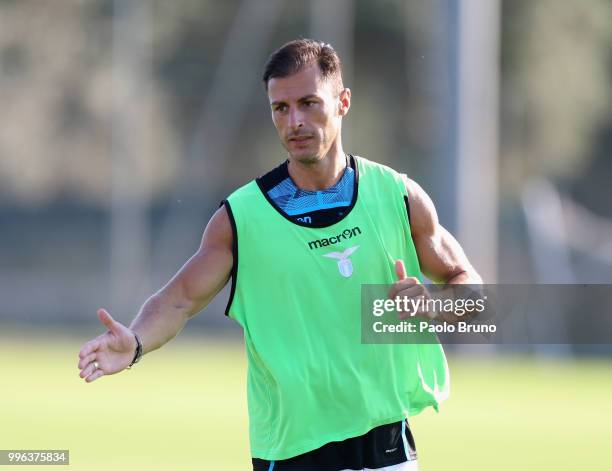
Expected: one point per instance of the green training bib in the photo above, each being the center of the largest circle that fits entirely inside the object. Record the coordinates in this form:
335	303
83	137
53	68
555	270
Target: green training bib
296	292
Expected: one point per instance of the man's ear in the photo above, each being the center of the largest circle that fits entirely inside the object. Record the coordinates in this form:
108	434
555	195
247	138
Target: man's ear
344	101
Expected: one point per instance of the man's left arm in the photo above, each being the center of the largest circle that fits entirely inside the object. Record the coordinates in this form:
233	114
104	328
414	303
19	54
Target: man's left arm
440	256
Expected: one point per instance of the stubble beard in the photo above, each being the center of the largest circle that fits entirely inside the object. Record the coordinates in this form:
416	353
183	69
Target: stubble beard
306	159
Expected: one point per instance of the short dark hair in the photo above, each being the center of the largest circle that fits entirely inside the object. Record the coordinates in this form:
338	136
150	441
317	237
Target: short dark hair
295	55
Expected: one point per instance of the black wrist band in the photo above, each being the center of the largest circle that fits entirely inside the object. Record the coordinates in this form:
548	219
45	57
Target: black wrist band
138	352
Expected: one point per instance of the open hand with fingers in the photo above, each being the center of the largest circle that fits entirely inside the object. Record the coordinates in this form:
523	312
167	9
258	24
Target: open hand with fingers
109	353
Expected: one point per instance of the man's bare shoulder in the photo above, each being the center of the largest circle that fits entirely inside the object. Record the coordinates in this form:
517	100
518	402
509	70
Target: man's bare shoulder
208	270
423	215
218	232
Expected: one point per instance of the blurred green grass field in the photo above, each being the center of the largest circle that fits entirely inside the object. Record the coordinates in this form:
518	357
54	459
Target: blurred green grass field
184	408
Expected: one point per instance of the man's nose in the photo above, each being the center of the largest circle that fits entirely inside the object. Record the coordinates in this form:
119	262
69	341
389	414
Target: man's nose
296	119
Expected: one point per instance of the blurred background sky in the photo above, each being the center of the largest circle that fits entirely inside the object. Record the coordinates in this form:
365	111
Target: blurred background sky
124	123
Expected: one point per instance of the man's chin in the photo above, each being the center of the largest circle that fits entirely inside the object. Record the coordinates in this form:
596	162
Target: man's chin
306	158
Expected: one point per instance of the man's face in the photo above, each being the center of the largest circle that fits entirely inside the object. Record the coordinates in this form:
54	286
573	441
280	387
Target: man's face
307	112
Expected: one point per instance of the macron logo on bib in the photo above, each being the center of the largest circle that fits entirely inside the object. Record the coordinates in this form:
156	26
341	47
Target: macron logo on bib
342	236
345	265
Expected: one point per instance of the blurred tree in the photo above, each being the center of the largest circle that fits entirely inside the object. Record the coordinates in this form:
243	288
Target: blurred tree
56	94
556	85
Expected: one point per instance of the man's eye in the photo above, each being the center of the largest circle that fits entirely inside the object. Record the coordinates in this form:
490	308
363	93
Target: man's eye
280	108
309	103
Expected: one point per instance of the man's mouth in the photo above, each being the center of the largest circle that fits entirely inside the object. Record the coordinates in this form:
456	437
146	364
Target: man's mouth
300	138
300	142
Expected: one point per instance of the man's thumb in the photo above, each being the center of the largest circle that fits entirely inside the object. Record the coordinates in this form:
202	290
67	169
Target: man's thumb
106	319
400	270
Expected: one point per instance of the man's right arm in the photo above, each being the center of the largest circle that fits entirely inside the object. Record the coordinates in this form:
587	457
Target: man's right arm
198	281
166	312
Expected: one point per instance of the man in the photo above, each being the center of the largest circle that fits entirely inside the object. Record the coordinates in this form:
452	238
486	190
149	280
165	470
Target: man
298	243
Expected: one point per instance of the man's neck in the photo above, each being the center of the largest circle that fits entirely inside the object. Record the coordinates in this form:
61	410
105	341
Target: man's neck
319	175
